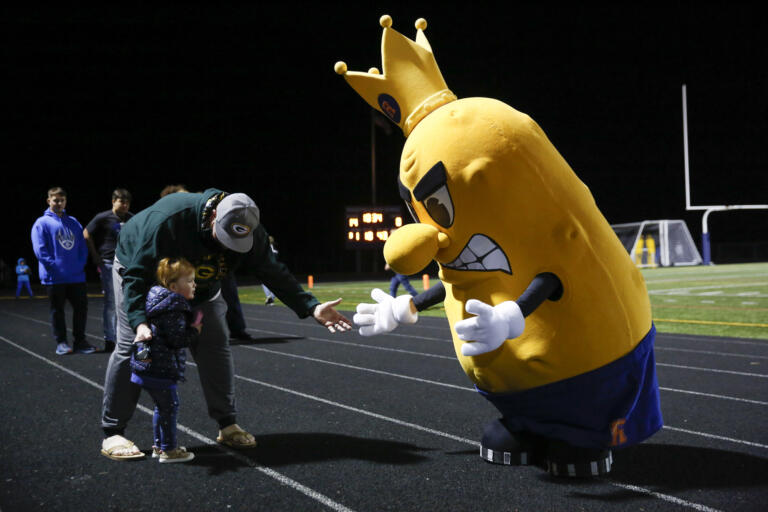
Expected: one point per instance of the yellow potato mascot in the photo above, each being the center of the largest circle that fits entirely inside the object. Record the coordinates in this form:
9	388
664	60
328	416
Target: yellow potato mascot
549	317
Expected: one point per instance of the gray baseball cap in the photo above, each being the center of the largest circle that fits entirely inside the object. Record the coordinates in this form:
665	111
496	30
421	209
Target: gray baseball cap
236	218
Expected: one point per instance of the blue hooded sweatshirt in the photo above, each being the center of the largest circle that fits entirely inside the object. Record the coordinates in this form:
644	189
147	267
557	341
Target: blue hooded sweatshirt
22	271
60	248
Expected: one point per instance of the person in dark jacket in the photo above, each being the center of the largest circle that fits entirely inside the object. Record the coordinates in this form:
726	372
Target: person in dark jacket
101	237
158	369
216	232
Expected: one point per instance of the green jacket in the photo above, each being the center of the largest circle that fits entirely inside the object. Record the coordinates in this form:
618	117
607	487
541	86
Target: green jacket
172	227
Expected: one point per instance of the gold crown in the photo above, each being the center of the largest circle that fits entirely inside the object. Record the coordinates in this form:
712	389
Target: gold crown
411	86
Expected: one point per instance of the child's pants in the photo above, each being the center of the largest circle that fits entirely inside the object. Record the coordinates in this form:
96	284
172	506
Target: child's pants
164	419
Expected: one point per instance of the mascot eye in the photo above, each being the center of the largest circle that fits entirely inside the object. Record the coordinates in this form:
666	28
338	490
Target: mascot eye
439	206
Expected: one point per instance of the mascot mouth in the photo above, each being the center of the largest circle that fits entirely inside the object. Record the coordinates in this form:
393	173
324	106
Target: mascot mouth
480	254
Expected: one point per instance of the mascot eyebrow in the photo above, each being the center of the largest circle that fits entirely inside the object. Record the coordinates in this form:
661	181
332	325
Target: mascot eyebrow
432	180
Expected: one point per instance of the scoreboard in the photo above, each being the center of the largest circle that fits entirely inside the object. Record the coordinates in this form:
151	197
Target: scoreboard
368	227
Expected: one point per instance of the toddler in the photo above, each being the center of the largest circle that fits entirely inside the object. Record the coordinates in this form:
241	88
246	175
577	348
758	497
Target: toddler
159	365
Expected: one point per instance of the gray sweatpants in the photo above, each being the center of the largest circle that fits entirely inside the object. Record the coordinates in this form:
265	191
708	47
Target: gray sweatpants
211	352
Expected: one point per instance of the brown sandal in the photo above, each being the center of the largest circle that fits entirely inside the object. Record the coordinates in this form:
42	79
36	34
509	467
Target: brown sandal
235	437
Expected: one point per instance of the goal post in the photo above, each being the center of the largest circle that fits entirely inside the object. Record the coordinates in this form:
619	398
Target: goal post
708	209
652	243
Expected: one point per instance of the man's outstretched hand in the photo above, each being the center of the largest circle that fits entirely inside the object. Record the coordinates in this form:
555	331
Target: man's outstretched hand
326	315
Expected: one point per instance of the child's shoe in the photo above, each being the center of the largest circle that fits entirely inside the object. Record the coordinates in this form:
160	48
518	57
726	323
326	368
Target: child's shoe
179	454
156	451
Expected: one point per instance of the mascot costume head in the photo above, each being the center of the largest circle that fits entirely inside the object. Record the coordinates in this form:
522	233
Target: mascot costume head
497	206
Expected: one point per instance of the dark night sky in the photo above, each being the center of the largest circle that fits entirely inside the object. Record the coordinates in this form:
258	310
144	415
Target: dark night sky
245	99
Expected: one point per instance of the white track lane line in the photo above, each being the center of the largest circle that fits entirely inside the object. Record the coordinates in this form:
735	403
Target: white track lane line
711	352
359	345
711	395
288	482
448	340
713	370
727	341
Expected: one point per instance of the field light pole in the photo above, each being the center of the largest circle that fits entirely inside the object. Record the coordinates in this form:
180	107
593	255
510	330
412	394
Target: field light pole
373	158
705	246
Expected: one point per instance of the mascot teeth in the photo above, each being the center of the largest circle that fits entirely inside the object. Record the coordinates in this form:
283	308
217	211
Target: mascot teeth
481	253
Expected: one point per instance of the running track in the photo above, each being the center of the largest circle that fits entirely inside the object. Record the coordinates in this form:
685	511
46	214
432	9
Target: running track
363	424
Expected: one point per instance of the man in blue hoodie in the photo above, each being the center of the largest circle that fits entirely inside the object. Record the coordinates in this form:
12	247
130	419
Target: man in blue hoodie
58	242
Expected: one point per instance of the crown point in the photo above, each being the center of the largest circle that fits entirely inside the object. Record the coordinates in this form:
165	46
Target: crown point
340	67
374	71
421	24
385	21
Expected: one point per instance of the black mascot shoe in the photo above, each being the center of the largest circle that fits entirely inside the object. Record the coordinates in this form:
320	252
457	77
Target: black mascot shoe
500	446
566	460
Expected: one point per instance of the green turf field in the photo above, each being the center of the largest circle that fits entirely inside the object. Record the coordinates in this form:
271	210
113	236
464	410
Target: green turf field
721	300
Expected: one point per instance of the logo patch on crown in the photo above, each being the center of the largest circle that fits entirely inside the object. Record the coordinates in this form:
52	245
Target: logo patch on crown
389	106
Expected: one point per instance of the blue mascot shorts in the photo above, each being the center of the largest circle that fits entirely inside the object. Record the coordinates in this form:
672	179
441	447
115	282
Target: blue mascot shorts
616	405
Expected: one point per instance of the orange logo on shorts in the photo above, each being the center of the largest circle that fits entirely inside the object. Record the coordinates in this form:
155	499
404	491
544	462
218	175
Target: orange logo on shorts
617	432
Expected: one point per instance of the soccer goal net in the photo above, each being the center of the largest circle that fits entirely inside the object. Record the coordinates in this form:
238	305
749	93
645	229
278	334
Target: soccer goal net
653	243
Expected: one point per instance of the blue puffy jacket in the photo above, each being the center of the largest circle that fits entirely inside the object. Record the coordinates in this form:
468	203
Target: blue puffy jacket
170	317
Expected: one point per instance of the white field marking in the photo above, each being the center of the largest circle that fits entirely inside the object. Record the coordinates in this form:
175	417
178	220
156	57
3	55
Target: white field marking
324	499
731	372
713	436
708	277
692	337
265	470
361	368
447	340
748	294
363	411
688	290
695	351
749	303
453	358
707	301
710	395
717	292
666	497
657	348
315	324
360	345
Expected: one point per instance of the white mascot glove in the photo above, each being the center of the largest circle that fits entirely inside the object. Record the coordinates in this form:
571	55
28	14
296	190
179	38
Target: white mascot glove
388	313
490	328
